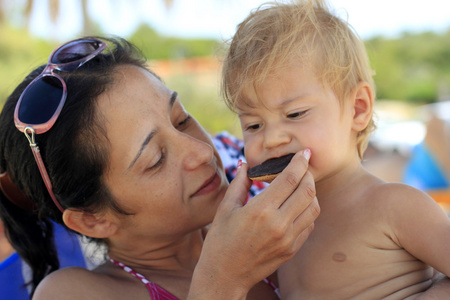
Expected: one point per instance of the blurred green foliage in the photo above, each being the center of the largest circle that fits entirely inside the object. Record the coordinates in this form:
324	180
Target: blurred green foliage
155	46
199	92
413	68
201	99
20	53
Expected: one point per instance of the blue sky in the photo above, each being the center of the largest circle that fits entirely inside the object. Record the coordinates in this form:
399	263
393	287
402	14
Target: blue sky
218	18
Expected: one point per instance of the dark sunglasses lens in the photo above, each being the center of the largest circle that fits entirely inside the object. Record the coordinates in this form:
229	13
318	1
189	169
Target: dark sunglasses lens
41	100
75	50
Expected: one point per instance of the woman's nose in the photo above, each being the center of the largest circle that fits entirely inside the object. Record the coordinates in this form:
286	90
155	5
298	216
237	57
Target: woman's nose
195	152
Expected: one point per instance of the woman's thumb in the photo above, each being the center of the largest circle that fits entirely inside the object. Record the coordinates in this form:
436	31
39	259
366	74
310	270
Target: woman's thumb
237	192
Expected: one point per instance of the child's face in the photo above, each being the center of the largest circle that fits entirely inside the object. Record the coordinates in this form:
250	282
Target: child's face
292	111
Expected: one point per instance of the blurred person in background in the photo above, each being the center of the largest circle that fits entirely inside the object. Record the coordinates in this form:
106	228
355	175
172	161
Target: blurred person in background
429	166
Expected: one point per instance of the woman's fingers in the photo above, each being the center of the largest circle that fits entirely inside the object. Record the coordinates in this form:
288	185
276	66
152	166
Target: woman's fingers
237	191
301	197
302	205
255	239
295	206
289	179
304	224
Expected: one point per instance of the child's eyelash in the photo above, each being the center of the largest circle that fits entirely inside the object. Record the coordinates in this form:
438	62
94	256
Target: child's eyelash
293	115
253	127
296	114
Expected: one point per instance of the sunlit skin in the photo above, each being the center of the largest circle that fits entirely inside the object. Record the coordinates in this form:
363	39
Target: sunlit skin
166	174
372	239
290	113
167	168
167	165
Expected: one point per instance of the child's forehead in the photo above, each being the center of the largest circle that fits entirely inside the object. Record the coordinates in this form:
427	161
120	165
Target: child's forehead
286	82
253	98
294	84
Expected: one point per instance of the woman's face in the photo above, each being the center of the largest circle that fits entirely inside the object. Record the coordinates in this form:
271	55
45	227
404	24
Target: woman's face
163	166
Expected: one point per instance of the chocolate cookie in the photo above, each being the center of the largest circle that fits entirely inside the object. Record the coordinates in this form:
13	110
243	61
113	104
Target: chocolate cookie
268	170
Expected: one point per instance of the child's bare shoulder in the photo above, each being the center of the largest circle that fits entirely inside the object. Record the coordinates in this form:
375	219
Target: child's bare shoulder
397	193
393	198
396	199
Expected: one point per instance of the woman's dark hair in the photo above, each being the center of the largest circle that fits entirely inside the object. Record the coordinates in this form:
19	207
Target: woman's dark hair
75	152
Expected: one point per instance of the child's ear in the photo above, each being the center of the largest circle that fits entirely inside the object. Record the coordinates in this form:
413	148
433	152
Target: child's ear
362	97
89	224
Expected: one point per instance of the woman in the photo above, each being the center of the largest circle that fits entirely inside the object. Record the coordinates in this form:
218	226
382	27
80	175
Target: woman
122	162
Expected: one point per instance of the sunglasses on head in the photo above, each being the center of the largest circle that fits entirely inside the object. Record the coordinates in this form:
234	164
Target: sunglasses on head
42	100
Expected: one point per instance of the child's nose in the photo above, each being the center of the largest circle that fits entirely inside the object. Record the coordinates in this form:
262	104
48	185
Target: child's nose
274	137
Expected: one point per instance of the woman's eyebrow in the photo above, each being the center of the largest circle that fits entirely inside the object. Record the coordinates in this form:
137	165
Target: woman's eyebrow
144	144
173	98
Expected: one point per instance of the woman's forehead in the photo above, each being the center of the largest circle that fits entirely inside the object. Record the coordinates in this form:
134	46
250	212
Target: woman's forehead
135	91
136	104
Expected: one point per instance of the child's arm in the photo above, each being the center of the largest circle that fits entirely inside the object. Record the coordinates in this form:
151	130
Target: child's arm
420	226
439	290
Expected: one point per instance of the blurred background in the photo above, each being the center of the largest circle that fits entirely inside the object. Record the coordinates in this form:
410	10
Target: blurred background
408	43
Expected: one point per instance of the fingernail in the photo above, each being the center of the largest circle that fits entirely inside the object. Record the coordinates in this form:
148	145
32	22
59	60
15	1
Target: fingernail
307	153
239	164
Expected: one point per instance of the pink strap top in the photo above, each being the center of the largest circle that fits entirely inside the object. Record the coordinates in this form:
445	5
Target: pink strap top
156	292
159	293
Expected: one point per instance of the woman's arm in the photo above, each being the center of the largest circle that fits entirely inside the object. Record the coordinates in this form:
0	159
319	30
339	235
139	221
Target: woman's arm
247	243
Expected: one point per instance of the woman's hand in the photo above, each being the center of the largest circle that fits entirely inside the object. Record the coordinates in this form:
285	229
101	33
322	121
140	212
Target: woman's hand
247	243
439	290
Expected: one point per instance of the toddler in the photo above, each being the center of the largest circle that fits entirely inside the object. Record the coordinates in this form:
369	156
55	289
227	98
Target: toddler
298	77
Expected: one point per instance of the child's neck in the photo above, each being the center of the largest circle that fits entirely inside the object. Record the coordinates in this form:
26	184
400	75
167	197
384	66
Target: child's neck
341	183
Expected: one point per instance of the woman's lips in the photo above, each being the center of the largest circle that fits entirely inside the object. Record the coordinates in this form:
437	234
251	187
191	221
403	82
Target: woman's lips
209	185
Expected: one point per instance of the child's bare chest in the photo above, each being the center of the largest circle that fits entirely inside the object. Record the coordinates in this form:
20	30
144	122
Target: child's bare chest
350	253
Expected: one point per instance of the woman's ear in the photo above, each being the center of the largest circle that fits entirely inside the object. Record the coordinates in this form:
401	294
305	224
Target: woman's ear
92	225
362	97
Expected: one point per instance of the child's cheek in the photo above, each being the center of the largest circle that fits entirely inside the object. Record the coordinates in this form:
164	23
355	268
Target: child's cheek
314	168
251	152
251	161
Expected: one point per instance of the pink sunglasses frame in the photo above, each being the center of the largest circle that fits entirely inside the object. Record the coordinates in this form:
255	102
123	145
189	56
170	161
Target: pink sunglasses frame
30	130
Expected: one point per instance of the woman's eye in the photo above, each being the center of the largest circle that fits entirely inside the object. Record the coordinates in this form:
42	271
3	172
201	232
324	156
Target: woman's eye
158	163
183	123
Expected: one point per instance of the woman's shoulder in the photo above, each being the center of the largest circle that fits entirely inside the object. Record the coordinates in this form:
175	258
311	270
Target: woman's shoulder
70	283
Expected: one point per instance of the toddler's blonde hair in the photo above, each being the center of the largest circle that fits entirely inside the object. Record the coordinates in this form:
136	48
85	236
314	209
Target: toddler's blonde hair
276	33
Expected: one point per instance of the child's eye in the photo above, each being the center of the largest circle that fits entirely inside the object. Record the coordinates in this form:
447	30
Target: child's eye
296	115
253	127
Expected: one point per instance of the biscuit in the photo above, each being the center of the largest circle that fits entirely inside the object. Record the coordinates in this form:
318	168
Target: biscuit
268	170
